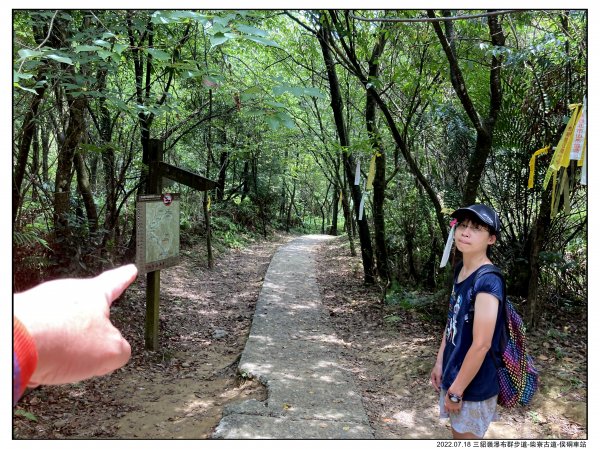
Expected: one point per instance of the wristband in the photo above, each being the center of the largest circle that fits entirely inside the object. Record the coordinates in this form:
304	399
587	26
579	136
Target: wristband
454	398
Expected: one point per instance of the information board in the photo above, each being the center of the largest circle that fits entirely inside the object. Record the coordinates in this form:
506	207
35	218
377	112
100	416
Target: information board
157	232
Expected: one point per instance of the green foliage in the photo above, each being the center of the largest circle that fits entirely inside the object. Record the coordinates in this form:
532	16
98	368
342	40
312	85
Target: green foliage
31	255
230	233
29	238
424	304
244	93
25	414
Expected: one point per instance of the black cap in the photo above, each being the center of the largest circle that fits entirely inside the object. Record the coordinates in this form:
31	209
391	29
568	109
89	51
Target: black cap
485	214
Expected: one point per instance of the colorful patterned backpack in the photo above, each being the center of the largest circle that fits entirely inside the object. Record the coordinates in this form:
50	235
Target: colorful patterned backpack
517	375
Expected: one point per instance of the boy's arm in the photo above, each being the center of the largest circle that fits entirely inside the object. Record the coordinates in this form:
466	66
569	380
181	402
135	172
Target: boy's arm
436	372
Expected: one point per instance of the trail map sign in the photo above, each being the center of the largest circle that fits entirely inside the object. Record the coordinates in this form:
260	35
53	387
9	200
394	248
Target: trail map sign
157	233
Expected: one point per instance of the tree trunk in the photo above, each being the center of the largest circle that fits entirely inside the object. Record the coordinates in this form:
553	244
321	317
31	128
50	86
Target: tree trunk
209	252
288	219
333	230
323	36
108	165
379	182
35	162
245	180
83	184
539	232
224	163
348	222
398	138
485	127
142	92
62	193
409	237
24	145
45	133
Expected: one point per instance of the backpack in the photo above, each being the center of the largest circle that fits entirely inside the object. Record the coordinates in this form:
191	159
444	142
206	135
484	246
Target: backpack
517	375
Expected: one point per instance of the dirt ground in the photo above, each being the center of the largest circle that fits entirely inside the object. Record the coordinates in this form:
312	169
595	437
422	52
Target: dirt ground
391	352
179	391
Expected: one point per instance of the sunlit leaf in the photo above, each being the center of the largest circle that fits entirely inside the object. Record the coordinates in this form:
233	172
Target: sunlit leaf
286	120
272	121
25	53
159	54
17	85
118	48
262	40
21	76
81	48
275	104
246	29
102	43
218	39
58	58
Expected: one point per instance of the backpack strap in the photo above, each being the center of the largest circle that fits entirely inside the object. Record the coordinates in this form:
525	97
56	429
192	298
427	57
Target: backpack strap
485	269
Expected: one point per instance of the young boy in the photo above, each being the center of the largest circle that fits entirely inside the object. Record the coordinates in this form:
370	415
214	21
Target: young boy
464	372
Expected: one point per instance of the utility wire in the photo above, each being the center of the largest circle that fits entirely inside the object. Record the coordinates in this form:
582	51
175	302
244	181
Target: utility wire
437	19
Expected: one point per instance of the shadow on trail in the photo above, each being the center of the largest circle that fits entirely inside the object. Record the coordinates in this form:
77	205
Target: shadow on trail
294	352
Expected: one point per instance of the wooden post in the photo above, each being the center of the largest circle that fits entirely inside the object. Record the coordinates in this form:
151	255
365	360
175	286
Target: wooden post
152	306
157	169
154	186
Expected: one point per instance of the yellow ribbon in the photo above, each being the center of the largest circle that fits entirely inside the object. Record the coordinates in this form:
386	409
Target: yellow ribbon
561	155
565	189
208	204
553	205
532	164
371	176
583	153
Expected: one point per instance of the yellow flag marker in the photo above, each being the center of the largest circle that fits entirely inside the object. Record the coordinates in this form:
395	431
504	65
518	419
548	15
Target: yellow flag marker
569	134
532	164
565	189
208	205
552	202
371	176
560	158
581	159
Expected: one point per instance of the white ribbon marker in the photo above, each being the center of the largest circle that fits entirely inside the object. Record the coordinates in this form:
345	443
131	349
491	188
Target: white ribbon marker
357	173
449	242
361	208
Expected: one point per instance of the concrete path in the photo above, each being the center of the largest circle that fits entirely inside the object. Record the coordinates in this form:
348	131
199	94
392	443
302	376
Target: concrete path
293	351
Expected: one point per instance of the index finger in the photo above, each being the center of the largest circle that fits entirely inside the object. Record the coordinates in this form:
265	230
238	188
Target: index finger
114	282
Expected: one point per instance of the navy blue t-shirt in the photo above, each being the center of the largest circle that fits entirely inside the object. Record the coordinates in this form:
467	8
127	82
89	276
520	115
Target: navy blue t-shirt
459	336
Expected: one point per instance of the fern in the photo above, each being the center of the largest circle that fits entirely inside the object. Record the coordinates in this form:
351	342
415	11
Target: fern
28	238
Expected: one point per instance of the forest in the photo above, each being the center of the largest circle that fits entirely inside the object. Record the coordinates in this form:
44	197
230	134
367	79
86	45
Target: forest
373	124
369	125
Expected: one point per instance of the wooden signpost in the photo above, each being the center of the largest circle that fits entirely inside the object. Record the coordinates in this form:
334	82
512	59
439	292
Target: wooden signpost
157	170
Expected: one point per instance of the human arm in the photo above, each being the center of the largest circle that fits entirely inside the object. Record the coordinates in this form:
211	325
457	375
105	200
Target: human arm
24	358
484	323
436	372
68	321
